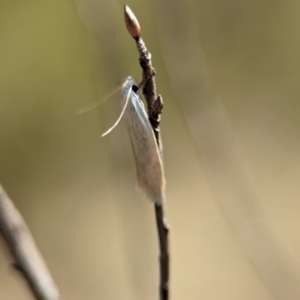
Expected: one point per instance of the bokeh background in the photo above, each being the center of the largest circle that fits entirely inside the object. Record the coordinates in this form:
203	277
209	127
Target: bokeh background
229	74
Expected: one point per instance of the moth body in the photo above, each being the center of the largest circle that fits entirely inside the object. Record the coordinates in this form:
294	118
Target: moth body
149	166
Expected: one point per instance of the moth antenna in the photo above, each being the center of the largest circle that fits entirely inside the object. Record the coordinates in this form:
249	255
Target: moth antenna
121	115
94	105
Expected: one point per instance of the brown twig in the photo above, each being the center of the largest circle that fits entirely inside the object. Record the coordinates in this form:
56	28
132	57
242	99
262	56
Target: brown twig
163	230
155	106
154	102
21	245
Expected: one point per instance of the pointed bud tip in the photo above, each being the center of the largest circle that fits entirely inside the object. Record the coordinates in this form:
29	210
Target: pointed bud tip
132	24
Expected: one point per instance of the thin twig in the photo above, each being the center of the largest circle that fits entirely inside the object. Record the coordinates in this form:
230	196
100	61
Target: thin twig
154	102
163	230
21	245
155	106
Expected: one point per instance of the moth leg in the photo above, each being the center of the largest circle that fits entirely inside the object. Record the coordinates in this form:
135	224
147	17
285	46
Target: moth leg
145	79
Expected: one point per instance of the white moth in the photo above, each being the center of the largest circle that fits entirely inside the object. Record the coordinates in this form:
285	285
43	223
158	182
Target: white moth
149	166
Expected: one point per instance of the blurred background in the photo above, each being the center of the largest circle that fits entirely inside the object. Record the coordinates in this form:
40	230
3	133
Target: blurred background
229	74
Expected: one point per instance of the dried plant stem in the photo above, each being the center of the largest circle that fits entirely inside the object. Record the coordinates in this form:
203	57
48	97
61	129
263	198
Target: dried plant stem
154	103
154	110
155	106
163	230
21	245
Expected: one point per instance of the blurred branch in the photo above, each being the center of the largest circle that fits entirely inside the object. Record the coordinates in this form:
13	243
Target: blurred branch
21	245
155	106
216	144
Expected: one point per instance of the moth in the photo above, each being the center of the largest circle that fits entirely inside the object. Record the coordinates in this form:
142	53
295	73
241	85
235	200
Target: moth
147	156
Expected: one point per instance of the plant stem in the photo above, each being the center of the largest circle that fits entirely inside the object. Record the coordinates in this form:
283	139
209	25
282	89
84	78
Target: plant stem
155	106
163	230
23	249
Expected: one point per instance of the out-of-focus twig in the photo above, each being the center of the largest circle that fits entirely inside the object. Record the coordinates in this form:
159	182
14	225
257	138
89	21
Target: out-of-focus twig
155	106
27	258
